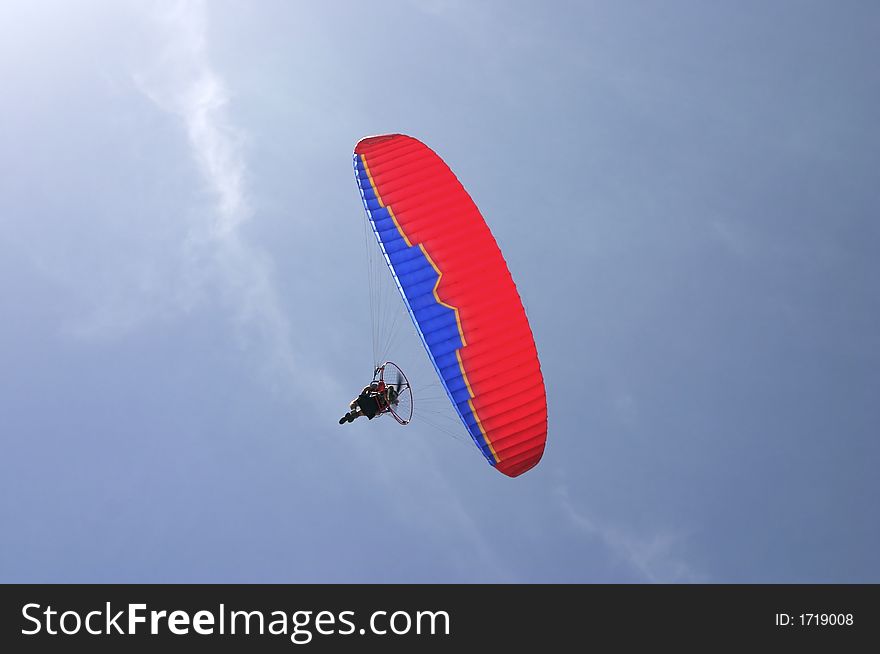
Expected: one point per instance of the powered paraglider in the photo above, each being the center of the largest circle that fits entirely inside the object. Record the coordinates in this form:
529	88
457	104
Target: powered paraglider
460	296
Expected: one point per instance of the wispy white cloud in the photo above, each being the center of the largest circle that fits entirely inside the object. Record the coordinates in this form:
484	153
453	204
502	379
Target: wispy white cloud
182	82
655	557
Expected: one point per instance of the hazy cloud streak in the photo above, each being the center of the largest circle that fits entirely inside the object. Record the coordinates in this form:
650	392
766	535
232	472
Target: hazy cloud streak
182	82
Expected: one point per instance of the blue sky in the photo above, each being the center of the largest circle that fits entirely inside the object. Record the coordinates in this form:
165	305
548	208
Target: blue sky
686	194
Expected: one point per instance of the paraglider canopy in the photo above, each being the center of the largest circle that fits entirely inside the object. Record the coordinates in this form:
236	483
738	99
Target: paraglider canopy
460	295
